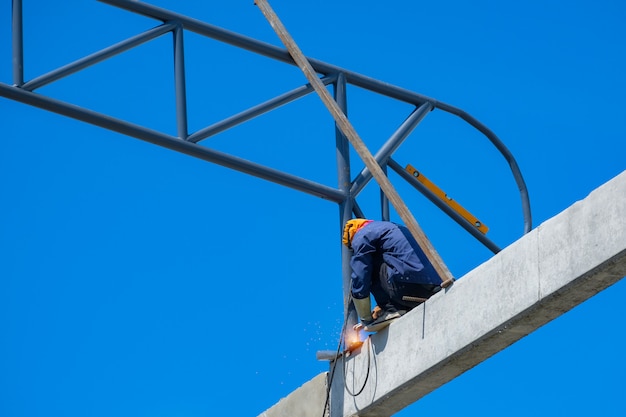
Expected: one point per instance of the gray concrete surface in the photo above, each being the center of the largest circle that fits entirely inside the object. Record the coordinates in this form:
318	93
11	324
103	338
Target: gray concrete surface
555	267
306	401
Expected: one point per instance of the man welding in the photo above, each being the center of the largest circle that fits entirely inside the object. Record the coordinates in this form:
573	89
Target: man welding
388	263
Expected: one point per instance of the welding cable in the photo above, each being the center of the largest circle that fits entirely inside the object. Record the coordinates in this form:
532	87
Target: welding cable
343	359
367	374
332	372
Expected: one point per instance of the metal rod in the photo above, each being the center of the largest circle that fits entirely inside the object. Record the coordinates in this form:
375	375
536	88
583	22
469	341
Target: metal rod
345	207
179	83
384	201
356	209
353	78
256	111
17	43
391	145
265	49
443	206
97	57
508	156
171	142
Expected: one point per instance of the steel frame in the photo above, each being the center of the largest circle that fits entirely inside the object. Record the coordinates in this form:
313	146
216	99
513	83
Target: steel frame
348	189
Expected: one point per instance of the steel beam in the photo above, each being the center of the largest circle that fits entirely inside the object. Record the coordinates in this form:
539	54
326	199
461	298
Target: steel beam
255	111
179	83
171	142
97	57
17	43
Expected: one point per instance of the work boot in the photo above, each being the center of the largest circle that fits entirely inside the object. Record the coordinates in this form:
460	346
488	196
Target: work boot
384	319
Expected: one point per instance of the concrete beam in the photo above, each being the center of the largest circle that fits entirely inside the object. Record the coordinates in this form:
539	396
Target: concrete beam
550	270
306	401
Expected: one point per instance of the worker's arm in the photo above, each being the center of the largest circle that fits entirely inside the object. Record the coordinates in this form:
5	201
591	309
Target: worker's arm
362	306
362	264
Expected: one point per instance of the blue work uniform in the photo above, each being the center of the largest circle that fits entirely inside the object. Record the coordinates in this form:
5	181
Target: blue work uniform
388	262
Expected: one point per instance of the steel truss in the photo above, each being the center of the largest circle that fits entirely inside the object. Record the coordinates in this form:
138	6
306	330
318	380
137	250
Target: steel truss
348	189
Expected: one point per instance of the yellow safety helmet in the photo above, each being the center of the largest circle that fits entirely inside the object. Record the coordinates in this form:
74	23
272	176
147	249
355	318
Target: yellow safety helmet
351	227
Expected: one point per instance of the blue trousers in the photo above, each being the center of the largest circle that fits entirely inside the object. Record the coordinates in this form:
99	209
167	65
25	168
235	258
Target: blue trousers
388	291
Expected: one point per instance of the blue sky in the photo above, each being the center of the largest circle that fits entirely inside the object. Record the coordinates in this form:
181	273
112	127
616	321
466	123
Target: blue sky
136	281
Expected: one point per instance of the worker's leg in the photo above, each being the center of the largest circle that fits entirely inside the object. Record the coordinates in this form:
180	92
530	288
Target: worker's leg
389	296
386	287
378	290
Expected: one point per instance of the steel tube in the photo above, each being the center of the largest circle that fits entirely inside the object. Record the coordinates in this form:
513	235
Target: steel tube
443	206
343	179
356	209
266	49
171	142
17	43
508	156
179	83
391	145
345	208
97	57
384	201
255	111
342	144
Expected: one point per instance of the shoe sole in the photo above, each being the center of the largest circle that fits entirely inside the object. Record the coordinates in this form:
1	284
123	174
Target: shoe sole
379	326
374	327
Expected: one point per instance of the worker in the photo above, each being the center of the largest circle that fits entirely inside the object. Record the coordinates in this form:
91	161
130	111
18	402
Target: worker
387	262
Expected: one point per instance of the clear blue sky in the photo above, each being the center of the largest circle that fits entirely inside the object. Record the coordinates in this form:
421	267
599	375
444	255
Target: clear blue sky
136	281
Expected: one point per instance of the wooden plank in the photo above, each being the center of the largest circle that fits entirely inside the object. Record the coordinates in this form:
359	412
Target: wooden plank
348	130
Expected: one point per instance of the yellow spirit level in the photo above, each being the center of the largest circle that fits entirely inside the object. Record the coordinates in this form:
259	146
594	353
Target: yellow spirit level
444	197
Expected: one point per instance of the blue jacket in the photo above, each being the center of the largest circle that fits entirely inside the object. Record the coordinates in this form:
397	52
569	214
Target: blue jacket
387	242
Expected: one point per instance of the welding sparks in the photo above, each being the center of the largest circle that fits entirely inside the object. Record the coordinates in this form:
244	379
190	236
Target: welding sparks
353	341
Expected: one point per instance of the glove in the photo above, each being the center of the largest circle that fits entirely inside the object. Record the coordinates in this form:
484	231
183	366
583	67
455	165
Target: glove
362	306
